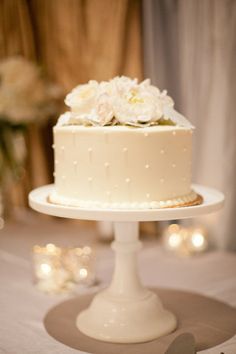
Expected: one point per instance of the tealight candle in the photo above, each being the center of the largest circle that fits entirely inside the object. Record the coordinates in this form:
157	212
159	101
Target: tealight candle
59	269
197	240
49	273
80	262
185	241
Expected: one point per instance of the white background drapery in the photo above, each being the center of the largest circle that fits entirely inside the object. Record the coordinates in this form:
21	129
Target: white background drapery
189	48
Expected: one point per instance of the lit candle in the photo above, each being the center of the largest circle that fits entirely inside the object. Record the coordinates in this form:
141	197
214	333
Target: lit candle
59	269
50	275
198	240
185	241
80	262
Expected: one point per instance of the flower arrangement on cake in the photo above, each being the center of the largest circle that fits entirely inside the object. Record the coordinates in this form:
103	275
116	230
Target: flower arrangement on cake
120	101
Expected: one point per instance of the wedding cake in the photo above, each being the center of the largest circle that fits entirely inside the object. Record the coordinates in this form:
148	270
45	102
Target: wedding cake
122	145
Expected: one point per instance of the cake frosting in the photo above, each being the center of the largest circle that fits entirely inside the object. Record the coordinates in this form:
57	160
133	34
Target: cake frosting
122	145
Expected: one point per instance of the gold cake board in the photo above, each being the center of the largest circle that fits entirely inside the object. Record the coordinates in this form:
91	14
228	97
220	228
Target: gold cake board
197	201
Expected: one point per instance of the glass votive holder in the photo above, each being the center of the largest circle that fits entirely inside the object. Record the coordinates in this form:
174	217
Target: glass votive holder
80	262
50	274
185	242
197	240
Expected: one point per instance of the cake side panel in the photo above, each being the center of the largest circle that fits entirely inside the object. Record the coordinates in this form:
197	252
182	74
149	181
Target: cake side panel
115	166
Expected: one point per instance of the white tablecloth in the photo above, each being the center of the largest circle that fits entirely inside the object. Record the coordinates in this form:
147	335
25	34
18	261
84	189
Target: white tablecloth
23	307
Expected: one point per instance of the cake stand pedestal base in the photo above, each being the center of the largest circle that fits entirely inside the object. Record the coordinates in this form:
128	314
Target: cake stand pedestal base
126	312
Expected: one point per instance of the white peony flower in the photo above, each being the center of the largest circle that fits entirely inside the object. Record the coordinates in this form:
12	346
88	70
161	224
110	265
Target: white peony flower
104	108
64	119
81	99
135	108
90	104
121	85
140	103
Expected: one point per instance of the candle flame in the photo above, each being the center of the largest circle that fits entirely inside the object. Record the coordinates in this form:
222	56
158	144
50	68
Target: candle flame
83	273
45	268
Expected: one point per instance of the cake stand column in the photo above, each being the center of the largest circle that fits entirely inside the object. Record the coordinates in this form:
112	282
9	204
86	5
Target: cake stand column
126	312
125	281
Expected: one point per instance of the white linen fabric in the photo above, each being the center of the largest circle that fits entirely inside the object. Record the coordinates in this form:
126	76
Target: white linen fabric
23	307
189	48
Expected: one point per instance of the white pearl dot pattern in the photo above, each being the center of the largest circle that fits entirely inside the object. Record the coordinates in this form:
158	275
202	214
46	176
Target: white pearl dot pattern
119	168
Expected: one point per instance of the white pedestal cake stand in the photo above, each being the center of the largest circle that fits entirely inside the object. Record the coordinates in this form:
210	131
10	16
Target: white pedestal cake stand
126	312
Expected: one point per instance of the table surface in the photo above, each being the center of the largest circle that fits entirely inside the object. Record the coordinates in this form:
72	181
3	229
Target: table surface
23	307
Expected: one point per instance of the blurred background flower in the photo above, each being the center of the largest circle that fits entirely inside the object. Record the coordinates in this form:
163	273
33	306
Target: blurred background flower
26	98
25	95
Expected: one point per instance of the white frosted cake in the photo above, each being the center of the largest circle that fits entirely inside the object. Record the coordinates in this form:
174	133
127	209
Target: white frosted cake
122	145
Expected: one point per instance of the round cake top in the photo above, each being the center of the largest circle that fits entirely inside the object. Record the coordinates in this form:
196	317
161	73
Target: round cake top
120	101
